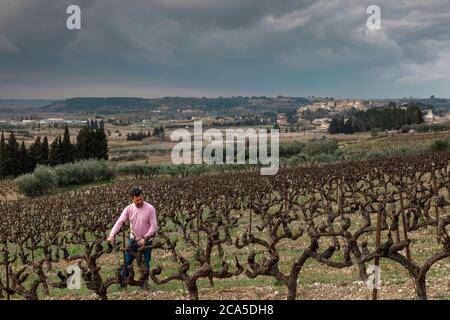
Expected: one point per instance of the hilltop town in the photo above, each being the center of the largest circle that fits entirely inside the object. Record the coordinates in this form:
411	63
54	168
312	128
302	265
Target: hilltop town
291	114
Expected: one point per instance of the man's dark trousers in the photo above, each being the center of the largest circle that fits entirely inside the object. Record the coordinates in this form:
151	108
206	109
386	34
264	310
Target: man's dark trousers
129	258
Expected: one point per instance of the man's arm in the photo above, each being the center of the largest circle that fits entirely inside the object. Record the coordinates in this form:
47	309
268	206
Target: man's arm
153	224
118	225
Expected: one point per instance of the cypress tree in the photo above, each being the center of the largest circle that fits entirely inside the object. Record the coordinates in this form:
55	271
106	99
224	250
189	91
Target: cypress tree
12	156
44	151
60	151
2	156
334	126
25	162
418	115
341	124
35	152
55	155
393	105
348	127
91	144
67	147
101	144
82	149
52	158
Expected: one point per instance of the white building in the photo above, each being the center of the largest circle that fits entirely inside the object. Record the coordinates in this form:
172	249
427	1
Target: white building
429	117
282	119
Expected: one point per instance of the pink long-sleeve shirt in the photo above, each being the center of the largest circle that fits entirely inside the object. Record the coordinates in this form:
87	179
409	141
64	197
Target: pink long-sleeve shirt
143	221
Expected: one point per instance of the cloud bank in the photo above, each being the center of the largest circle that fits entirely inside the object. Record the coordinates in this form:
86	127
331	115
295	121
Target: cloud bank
224	47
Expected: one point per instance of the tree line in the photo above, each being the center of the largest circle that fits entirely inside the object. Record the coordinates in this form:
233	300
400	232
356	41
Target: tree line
158	132
389	118
138	136
17	159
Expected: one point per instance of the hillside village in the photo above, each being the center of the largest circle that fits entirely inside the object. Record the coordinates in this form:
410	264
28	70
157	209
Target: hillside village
290	114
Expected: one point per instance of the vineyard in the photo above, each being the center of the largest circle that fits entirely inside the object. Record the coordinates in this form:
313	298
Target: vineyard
8	190
239	225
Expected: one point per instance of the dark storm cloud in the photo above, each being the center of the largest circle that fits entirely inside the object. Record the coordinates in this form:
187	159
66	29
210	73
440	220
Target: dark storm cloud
210	47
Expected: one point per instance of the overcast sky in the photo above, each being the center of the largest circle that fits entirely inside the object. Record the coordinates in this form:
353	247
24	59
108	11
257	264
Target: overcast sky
152	48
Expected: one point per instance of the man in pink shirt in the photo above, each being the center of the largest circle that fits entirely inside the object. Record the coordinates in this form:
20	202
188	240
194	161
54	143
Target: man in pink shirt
143	226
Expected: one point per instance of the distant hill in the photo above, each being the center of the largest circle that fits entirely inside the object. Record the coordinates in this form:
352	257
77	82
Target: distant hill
113	105
22	106
106	105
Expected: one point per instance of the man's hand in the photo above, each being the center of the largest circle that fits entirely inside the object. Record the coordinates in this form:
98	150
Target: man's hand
110	239
141	242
